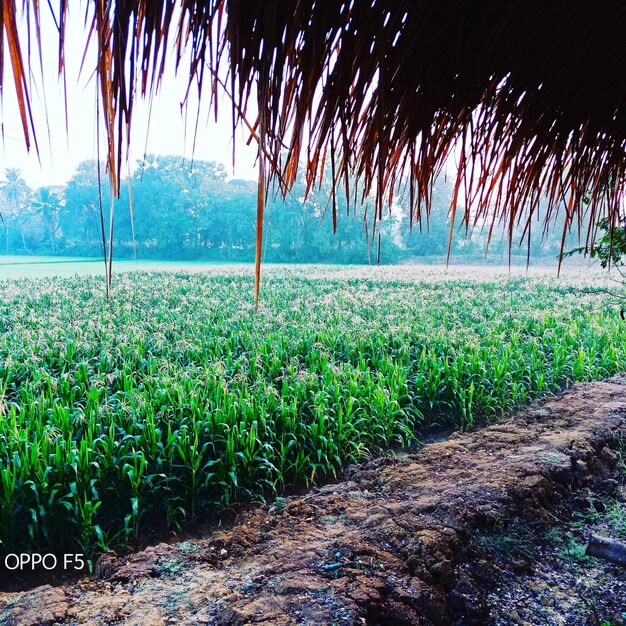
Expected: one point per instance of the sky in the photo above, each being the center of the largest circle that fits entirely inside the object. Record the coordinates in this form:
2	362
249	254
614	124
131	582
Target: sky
61	152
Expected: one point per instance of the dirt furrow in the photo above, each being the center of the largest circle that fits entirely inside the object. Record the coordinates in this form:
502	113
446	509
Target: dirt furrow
389	545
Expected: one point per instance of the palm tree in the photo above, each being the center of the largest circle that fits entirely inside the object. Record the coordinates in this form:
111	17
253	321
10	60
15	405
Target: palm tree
14	192
46	203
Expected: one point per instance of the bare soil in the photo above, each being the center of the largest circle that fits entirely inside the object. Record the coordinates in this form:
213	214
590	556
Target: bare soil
475	529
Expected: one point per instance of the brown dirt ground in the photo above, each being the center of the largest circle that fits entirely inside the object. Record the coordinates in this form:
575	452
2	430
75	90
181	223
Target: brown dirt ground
411	539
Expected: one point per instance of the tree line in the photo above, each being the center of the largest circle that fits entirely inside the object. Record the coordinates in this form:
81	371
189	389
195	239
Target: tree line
191	210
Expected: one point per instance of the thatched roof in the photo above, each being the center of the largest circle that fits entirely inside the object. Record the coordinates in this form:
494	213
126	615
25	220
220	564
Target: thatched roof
528	93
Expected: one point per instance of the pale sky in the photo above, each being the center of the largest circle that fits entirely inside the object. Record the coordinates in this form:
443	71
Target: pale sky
60	155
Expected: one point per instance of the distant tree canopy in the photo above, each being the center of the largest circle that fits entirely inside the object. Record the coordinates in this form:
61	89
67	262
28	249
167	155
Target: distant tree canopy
190	210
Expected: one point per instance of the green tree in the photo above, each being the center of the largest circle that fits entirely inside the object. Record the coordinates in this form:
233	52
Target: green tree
79	217
175	204
46	204
14	191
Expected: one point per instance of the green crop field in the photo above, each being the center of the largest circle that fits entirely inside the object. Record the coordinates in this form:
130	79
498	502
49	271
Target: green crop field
173	399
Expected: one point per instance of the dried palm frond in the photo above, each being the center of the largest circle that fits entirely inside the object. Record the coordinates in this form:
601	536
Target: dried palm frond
526	94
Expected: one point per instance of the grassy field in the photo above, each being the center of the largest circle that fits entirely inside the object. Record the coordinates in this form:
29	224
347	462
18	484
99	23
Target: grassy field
48	266
173	399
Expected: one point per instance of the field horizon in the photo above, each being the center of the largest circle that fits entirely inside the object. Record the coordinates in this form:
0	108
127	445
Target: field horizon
25	266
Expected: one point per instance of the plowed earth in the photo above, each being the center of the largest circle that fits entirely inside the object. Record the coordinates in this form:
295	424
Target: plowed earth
402	540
